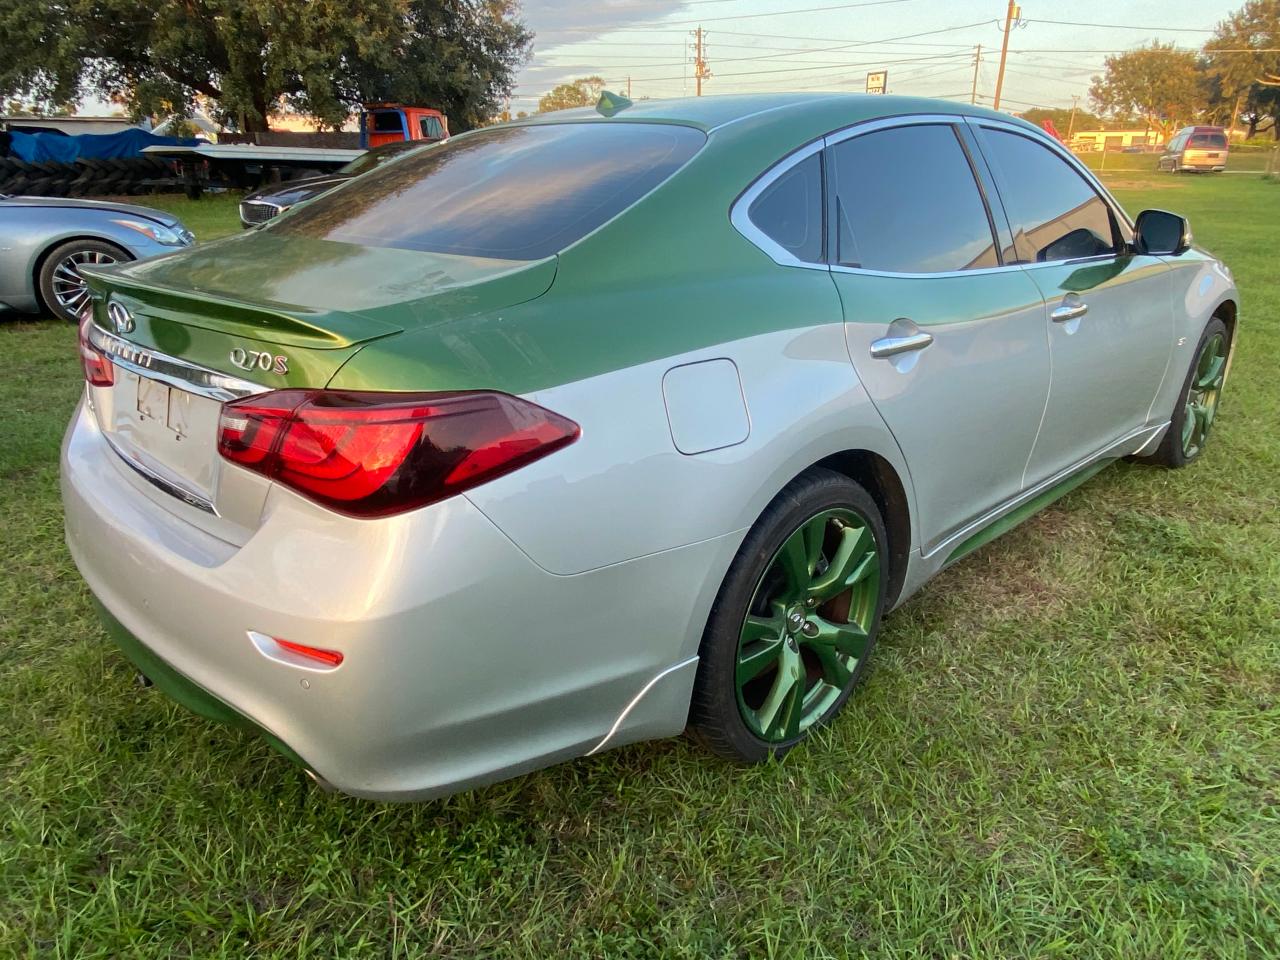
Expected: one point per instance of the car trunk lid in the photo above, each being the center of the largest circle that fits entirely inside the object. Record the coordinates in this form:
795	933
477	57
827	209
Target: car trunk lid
189	332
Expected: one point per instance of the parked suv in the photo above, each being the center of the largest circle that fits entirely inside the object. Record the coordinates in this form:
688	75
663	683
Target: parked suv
1202	149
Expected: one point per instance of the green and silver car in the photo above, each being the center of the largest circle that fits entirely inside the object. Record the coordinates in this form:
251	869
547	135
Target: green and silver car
599	426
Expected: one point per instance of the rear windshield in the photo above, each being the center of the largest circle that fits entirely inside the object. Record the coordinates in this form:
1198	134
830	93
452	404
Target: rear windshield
508	193
1216	141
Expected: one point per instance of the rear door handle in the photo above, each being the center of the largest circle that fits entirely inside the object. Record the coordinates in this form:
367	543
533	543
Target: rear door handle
887	347
1068	311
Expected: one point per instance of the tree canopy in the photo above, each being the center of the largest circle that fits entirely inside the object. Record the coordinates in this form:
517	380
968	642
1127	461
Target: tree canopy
322	58
1249	82
582	92
1160	83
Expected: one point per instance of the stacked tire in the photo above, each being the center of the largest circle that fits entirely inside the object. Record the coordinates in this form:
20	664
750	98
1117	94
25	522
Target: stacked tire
86	177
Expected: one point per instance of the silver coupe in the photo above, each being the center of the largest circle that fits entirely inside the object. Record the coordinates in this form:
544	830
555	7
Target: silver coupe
44	241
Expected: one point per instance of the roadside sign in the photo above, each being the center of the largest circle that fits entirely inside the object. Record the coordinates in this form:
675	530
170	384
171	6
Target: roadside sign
878	81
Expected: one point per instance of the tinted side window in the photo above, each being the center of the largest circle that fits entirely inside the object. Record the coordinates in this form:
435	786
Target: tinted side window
509	193
1054	212
431	128
907	202
789	210
387	121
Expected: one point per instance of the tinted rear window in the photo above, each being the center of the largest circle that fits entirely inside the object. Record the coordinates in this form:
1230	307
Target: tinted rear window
388	121
510	193
1215	141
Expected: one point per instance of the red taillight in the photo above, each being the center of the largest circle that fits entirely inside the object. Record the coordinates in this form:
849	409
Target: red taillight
374	454
98	368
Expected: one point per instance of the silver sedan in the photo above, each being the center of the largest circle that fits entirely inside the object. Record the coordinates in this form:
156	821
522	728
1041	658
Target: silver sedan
44	241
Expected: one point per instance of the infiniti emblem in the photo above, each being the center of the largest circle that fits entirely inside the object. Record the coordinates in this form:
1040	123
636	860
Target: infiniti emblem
120	317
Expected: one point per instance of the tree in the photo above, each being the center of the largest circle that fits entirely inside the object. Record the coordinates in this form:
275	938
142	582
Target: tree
582	92
1159	83
319	57
1061	117
1245	64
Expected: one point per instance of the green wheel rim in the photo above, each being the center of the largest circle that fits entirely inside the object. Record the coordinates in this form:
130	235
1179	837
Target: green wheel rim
808	624
1201	401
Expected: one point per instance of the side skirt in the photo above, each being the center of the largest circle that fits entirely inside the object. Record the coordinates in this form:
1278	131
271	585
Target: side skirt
1025	510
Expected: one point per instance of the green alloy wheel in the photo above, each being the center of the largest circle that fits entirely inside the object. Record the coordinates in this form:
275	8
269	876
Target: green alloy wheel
1198	405
795	620
1201	399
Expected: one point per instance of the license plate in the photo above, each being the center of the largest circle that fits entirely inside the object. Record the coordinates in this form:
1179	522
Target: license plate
162	404
153	400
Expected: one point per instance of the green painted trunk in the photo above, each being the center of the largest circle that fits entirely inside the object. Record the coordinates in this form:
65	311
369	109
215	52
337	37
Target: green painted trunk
315	302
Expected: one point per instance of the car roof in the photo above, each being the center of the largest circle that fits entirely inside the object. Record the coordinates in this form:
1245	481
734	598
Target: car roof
826	110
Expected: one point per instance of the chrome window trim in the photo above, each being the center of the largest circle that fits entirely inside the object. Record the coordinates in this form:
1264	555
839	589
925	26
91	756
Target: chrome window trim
1072	161
182	374
742	222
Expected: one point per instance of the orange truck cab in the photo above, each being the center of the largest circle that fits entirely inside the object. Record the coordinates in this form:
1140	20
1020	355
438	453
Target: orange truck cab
393	122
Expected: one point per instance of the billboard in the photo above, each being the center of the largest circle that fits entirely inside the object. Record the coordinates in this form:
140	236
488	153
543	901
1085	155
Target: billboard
878	81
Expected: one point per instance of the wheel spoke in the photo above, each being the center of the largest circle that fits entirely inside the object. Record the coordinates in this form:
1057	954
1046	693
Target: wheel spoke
836	669
760	642
846	638
779	715
848	566
1210	378
799	555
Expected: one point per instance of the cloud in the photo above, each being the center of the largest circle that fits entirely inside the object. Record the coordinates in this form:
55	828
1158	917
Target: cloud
556	24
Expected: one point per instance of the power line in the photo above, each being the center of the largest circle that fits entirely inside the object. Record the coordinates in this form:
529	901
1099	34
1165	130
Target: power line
737	16
925	33
754	73
1123	26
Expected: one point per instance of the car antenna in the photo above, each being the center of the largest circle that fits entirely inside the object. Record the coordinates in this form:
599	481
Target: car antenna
611	103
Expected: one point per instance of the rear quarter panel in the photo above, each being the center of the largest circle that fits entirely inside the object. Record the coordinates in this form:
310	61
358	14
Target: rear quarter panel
670	282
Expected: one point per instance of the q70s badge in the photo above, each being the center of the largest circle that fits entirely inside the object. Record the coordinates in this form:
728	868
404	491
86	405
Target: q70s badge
260	360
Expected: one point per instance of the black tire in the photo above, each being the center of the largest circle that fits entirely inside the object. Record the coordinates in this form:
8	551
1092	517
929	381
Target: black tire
1171	452
48	267
715	718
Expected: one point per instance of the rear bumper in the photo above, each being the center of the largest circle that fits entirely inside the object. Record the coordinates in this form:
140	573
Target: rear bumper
465	662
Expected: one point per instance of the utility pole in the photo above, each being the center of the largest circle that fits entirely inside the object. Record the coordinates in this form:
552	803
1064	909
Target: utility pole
977	62
700	71
1011	15
1071	124
628	86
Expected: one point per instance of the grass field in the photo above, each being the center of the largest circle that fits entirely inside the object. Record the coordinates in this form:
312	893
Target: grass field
1068	746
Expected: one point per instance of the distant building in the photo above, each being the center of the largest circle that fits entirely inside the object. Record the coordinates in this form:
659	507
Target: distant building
68	125
1090	141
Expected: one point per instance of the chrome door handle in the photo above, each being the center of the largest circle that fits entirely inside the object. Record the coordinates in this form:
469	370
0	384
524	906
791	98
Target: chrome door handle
887	347
1068	311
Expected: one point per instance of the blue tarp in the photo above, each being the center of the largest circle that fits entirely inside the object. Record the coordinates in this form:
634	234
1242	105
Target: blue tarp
42	147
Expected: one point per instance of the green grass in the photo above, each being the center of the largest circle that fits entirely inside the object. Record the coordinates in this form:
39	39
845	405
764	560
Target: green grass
1068	746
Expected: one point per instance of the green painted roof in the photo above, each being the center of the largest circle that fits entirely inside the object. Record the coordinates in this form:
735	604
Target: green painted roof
834	110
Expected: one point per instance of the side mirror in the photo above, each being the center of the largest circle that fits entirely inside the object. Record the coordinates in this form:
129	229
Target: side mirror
1161	233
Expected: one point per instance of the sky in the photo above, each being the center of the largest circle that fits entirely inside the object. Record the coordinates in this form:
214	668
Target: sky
927	46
